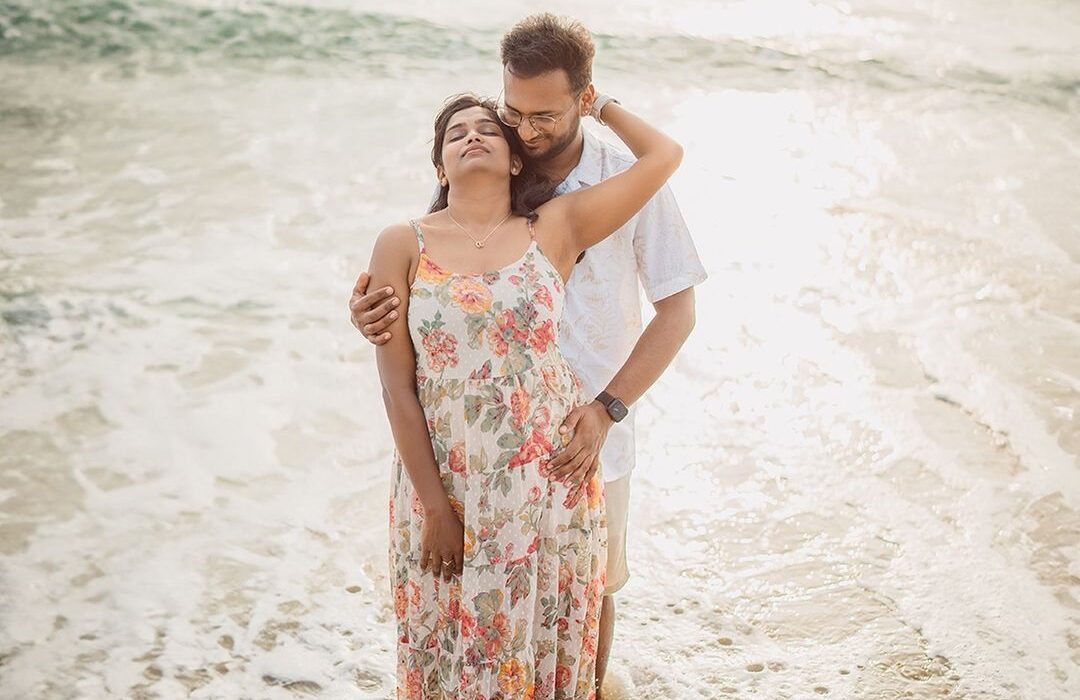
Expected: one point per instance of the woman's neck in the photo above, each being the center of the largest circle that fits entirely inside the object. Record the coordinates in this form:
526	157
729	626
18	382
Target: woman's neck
479	206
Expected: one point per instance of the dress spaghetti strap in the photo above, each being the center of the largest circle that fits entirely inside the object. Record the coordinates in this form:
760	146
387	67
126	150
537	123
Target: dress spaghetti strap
419	234
532	231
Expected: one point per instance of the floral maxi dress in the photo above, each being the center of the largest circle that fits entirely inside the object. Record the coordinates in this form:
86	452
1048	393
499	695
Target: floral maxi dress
523	618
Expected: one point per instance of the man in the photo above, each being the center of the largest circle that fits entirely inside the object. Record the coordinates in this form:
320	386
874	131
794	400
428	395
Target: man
547	81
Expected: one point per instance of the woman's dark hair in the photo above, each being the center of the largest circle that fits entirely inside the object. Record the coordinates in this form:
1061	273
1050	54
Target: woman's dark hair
528	189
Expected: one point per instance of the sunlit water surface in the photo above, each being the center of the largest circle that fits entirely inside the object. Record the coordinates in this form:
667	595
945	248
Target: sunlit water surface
858	480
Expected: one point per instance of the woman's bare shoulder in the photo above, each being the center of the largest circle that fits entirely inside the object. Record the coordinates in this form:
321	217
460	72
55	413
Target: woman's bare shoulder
397	233
398	239
396	249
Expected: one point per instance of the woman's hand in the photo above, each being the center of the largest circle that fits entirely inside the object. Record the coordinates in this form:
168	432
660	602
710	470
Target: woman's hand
442	543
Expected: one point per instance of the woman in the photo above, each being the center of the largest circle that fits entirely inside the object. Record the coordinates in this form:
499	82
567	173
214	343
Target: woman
497	571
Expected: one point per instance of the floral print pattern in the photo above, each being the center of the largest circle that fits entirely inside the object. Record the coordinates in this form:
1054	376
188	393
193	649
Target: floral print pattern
522	620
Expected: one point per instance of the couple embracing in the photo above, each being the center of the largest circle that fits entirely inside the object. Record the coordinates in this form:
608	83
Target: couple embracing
511	351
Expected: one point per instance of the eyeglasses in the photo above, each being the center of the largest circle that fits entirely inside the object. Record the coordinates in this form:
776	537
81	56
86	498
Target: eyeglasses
540	122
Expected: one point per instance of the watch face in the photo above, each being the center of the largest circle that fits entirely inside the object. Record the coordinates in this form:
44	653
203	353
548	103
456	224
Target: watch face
618	410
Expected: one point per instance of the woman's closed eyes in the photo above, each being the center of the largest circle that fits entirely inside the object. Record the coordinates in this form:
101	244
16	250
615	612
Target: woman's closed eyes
486	131
486	127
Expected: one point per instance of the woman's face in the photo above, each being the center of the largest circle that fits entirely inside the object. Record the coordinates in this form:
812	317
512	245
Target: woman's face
475	143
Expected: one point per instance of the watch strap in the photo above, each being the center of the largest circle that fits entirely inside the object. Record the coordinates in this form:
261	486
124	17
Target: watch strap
598	106
613	405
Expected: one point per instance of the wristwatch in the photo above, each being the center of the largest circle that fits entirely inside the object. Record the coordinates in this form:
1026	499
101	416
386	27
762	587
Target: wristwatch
598	105
615	407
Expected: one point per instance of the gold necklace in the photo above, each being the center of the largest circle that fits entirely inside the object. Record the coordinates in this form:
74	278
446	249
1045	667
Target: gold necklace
479	242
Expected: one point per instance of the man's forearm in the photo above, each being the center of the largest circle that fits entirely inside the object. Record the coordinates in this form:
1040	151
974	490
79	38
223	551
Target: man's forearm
656	348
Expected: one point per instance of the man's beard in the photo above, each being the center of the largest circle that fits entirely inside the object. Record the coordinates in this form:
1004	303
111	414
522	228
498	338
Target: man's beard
557	147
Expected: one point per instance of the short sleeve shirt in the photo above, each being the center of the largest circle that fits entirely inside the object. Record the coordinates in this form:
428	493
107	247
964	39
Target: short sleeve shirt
602	317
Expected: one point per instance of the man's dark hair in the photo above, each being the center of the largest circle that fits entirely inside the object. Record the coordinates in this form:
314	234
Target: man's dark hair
542	43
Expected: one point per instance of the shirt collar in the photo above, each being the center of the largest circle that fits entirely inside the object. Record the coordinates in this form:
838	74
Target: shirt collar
589	169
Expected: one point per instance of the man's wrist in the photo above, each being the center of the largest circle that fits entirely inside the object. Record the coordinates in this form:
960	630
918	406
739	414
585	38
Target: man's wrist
602	410
601	101
613	406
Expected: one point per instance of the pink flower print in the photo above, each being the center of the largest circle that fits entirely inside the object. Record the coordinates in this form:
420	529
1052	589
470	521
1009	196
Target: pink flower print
519	407
535	448
562	676
504	331
543	336
542	418
509	323
441	348
542	296
456	458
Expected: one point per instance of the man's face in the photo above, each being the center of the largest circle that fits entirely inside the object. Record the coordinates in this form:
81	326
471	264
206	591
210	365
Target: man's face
549	95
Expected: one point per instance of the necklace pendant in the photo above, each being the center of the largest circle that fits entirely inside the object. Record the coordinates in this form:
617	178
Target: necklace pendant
479	244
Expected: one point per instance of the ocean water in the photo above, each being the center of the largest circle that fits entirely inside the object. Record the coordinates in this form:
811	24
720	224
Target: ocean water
858	480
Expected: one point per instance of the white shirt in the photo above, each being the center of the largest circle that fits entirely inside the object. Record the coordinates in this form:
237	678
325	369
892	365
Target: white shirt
602	316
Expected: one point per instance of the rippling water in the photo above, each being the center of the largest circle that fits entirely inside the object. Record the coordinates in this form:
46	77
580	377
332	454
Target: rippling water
858	480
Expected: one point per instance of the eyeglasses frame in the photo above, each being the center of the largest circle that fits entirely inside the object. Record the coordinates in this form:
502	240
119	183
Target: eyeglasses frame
501	105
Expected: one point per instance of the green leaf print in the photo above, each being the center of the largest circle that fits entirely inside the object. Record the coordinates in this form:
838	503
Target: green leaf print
426	657
503	460
493	418
473	404
577	518
478	462
511	441
487	604
551	610
475	325
493	394
545	647
491	548
426	326
518	583
502	481
525	313
530	520
520	636
442	294
581	570
517	360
